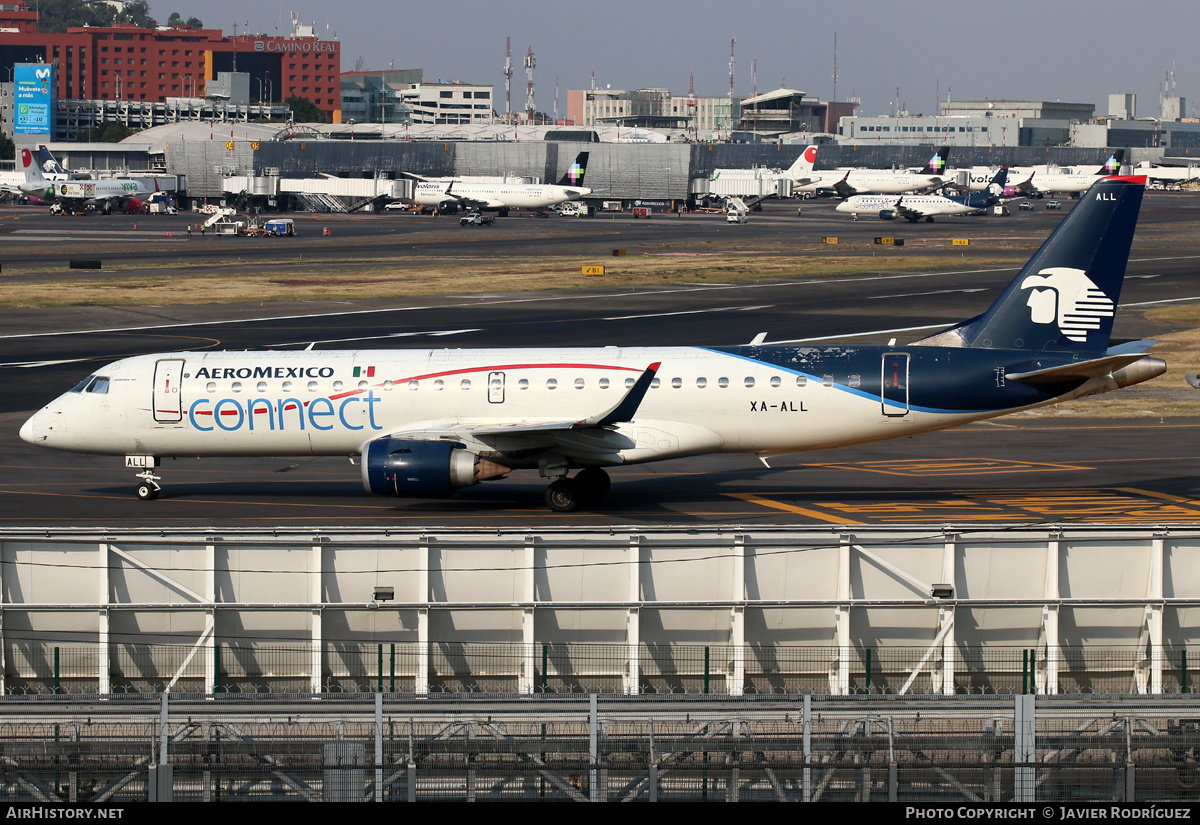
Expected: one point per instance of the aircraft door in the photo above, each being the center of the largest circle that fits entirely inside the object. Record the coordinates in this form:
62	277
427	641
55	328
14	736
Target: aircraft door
168	400
894	384
495	388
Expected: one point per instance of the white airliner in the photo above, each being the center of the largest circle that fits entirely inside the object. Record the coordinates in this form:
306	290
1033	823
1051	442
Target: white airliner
1070	183
72	195
848	182
913	208
501	197
427	422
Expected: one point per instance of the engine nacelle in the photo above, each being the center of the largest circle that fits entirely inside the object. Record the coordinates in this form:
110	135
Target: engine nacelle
448	207
887	215
406	467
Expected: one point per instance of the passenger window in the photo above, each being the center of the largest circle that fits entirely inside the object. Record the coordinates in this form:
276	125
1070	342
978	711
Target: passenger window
855	380
100	385
237	386
523	384
603	383
261	386
749	381
337	386
655	384
676	383
287	386
722	382
826	380
578	383
387	385
551	383
211	386
776	380
801	380
465	384
362	385
437	385
629	383
312	386
414	385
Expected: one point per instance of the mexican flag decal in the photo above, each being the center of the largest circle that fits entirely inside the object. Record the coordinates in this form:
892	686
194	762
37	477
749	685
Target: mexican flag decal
364	372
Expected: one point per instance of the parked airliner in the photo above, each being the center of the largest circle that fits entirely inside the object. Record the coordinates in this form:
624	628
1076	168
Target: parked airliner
913	208
501	197
427	422
847	182
104	195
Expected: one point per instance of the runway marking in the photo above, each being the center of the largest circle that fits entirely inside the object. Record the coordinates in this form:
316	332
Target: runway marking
686	312
432	333
1115	505
921	294
791	508
949	466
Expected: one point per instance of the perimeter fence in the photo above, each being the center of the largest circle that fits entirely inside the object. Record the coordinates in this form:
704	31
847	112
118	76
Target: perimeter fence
943	750
40	669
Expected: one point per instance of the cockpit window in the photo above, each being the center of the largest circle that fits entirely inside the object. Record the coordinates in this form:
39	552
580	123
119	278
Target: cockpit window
79	387
100	385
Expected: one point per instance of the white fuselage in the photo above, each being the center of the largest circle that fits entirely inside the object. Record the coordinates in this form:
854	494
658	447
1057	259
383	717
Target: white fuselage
496	195
889	183
294	403
904	205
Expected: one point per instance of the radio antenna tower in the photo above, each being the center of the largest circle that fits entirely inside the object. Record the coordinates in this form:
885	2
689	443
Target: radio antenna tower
556	99
835	67
508	73
530	62
731	42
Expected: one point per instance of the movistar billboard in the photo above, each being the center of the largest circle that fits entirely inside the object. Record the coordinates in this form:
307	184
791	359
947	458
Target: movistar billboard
33	99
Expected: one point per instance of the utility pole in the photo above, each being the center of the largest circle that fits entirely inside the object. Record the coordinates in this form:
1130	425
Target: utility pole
508	73
731	42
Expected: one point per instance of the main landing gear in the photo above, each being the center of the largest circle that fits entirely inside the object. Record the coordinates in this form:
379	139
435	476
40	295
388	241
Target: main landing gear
565	495
148	488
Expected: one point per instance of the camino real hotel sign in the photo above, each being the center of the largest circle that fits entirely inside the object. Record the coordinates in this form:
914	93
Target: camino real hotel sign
279	45
33	99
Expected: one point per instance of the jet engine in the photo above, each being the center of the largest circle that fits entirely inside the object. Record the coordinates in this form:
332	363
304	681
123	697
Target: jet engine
405	467
888	215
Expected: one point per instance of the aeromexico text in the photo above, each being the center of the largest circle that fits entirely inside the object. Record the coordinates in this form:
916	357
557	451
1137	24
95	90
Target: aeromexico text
264	372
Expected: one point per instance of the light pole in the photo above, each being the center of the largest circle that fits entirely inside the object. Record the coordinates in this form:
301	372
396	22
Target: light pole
260	90
270	88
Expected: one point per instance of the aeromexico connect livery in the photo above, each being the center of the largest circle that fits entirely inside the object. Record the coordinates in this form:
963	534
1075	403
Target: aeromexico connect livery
427	422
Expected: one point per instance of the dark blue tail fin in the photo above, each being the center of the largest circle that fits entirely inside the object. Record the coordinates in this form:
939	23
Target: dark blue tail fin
1065	298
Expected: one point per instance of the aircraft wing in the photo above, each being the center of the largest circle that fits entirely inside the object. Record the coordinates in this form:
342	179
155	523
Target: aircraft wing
907	212
844	189
621	412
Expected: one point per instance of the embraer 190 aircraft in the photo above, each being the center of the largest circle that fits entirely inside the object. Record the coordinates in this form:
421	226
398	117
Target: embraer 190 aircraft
427	422
501	197
913	208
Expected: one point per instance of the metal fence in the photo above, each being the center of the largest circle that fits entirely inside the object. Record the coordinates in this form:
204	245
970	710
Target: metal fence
947	750
445	667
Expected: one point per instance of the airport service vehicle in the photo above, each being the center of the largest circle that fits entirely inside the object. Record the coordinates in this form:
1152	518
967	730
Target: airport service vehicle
280	227
1025	206
445	195
1053	205
848	182
476	219
913	208
427	422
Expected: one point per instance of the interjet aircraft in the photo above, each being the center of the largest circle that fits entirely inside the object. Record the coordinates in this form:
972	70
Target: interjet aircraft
429	422
913	208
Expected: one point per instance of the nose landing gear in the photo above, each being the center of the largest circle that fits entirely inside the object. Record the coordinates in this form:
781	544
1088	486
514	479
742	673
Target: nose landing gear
148	488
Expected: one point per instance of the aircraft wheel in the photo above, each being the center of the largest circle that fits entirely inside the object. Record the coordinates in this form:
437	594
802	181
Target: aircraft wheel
929	220
593	483
147	491
503	213
563	495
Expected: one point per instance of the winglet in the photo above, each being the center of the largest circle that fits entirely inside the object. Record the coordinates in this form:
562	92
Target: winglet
627	407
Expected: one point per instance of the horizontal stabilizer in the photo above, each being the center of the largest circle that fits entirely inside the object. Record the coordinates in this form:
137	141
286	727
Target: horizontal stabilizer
1075	371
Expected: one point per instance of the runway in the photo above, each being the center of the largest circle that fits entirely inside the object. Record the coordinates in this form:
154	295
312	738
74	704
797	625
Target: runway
1029	468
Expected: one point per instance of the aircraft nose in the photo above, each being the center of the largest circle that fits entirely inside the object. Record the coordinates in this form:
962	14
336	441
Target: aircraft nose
29	431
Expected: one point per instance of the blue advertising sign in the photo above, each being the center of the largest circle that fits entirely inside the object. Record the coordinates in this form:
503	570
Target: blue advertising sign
33	99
